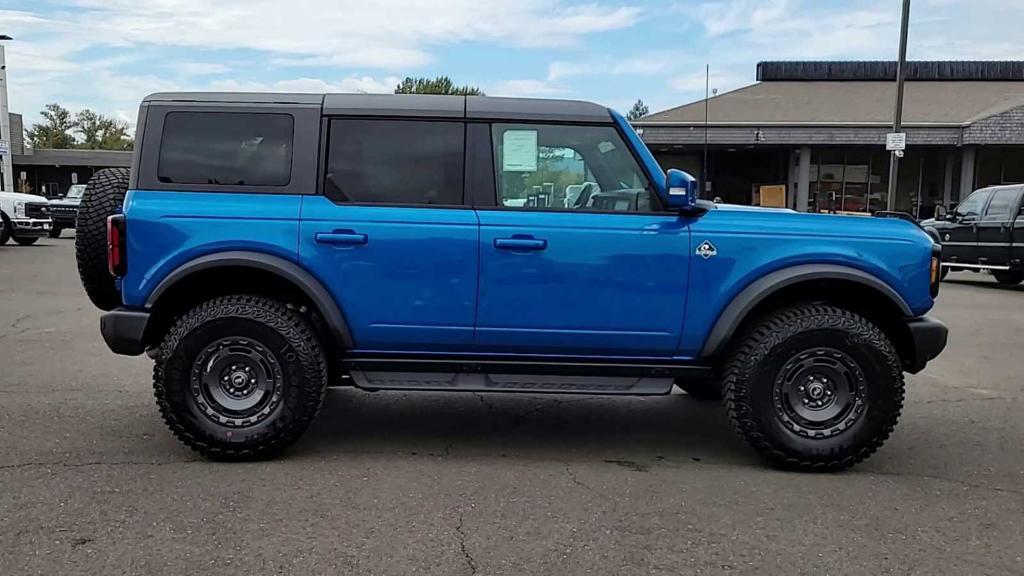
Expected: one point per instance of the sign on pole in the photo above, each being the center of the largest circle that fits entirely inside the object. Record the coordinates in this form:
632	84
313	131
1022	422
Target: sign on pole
5	147
896	141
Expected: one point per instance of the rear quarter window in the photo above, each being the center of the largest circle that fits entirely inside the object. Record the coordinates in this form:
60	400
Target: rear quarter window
226	149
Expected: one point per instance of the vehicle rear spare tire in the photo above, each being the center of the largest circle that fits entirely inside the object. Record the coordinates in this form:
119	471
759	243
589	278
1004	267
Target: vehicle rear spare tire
104	197
814	387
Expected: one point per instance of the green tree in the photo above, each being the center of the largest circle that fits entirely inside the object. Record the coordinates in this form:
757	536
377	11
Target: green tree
439	85
55	131
97	132
638	111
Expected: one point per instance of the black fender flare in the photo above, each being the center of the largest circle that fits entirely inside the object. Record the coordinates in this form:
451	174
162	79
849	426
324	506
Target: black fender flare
934	235
310	286
733	315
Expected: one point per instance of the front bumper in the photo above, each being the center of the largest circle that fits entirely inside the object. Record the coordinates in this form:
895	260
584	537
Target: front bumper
123	329
29	228
928	338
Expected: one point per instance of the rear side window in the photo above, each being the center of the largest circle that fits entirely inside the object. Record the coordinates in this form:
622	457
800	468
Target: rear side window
395	162
1003	203
226	148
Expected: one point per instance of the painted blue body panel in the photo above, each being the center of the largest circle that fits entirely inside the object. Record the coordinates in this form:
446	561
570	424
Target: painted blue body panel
752	243
411	286
604	284
168	229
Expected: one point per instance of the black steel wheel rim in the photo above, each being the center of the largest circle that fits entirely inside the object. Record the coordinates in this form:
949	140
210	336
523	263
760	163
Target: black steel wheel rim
236	382
820	392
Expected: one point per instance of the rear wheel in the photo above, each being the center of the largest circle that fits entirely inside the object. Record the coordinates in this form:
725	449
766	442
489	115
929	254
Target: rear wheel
814	387
104	197
240	377
1009	277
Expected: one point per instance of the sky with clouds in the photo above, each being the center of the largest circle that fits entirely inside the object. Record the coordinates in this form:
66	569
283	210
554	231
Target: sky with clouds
108	54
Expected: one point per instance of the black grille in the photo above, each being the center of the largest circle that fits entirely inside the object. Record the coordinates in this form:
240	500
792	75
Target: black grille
37	210
63	210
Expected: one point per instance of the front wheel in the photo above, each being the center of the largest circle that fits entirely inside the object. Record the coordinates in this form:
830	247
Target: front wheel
23	241
814	387
1008	277
240	377
55	231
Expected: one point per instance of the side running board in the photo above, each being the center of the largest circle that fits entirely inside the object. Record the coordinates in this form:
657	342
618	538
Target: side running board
462	382
496	374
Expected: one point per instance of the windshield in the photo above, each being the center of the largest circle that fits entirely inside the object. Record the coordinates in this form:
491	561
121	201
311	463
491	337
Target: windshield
76	191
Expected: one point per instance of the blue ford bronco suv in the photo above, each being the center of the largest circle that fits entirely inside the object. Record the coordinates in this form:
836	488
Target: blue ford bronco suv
264	247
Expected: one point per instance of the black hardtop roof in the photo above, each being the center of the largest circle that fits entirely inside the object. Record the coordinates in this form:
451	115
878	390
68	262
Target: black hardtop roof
431	105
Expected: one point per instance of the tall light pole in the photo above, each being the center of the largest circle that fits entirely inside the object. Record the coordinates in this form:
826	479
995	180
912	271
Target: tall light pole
704	169
897	122
5	121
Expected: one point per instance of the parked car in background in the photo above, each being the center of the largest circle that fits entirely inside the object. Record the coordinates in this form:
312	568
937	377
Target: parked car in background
65	211
26	218
985	233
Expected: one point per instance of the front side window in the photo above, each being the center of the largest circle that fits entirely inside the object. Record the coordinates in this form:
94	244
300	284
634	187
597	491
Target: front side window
395	162
1002	204
226	148
971	208
567	167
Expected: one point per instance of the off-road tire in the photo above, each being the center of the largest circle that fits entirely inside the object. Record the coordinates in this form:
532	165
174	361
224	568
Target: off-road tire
701	389
5	229
284	333
1008	277
760	358
104	197
55	232
23	241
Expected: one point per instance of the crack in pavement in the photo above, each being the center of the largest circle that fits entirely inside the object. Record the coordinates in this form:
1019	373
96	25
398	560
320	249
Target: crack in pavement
461	535
16	324
575	479
86	464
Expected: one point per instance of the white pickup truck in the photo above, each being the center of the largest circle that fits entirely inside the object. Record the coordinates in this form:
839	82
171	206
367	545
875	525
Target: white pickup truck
24	217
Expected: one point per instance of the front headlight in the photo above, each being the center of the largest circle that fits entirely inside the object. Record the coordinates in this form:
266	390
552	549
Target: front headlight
19	209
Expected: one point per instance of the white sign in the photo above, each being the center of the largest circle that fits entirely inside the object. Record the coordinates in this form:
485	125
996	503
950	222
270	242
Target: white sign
5	147
896	141
519	151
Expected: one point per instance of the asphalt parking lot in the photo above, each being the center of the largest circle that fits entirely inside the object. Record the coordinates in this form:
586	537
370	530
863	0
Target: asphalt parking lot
402	483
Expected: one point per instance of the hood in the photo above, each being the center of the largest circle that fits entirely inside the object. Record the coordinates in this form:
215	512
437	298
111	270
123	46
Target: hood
66	202
792	223
18	197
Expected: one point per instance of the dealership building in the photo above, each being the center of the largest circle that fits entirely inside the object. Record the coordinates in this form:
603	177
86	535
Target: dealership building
818	129
51	172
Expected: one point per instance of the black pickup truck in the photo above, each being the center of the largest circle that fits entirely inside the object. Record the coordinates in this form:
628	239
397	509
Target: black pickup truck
985	232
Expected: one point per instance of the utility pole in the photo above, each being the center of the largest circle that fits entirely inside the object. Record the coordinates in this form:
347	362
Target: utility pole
897	123
5	121
707	93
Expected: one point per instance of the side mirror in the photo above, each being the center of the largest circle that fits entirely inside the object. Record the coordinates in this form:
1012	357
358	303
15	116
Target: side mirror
680	191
